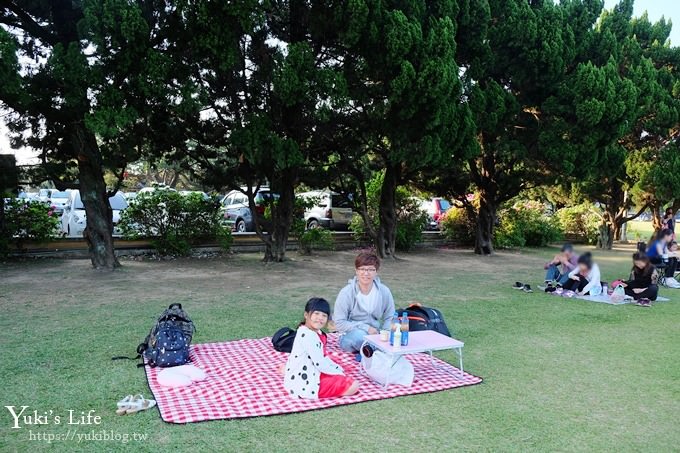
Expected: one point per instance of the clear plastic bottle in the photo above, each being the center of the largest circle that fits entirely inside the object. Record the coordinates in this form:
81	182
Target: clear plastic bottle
393	327
404	329
397	337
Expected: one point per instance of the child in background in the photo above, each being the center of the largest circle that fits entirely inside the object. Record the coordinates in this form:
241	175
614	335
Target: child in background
643	277
585	278
309	373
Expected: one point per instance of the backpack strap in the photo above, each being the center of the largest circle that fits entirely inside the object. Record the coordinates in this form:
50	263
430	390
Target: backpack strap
178	305
121	357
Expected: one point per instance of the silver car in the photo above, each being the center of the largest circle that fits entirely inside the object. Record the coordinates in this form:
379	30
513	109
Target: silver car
332	210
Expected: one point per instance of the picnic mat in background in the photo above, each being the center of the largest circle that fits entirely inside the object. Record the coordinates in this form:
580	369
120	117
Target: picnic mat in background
243	381
606	299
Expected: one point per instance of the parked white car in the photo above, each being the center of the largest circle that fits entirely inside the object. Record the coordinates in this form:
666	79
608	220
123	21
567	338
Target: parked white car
58	200
332	210
73	220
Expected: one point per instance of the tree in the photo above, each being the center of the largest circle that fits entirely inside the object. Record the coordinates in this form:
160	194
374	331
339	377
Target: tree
636	54
259	81
514	71
401	109
70	73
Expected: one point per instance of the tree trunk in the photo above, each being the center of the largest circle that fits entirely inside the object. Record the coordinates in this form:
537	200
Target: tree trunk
282	220
624	233
486	221
2	214
605	238
387	230
657	220
99	230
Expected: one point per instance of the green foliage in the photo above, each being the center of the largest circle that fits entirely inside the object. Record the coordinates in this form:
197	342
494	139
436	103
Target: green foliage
315	239
458	226
410	218
580	221
27	221
173	221
525	224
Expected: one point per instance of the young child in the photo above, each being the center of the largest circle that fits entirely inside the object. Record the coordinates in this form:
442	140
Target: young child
309	373
643	278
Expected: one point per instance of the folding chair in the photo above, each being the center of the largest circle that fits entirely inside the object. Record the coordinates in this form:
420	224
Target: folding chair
661	270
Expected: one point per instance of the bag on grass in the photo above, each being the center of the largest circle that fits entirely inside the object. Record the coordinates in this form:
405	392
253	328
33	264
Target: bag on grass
619	294
168	342
378	366
425	318
283	339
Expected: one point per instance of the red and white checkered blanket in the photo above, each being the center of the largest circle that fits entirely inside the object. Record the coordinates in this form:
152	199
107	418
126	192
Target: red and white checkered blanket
243	381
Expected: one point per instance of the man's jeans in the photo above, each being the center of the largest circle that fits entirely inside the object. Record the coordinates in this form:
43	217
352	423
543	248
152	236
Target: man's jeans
351	341
553	273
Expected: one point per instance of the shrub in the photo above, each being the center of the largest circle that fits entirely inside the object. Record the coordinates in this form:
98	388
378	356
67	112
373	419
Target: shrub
315	239
174	222
458	226
580	221
410	218
27	221
525	224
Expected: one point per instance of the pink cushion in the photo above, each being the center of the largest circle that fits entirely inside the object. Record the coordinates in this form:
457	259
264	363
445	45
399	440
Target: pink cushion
192	371
167	378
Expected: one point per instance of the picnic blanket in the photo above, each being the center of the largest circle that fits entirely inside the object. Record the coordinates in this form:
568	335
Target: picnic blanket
243	381
605	299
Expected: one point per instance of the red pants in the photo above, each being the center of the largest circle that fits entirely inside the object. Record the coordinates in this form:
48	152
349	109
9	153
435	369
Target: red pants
332	385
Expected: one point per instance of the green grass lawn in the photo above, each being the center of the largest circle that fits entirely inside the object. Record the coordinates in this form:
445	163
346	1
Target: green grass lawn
559	374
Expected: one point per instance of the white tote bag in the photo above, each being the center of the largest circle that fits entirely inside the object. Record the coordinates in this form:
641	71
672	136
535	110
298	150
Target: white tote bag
377	368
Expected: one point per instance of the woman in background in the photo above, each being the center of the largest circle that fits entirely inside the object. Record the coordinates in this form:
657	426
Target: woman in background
642	283
585	278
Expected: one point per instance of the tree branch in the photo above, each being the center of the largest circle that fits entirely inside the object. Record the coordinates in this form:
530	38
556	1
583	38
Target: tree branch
27	23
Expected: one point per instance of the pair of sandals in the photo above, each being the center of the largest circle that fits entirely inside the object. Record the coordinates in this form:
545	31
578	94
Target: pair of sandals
133	404
523	287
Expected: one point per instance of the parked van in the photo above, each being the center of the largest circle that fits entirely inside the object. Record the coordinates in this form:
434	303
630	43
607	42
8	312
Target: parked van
331	211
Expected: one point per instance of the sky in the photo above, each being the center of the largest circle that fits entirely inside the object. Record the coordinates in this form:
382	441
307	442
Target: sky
670	9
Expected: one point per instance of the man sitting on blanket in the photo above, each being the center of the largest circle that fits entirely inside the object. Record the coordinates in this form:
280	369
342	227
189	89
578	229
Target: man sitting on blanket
364	306
567	259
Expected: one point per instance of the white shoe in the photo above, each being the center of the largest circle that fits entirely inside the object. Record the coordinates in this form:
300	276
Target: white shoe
672	283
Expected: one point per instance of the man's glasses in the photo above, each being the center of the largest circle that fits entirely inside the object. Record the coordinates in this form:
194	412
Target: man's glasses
367	270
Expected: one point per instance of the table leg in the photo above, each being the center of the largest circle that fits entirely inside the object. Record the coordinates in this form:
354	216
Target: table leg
459	353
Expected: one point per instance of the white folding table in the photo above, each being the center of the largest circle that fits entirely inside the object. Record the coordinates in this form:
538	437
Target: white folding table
419	342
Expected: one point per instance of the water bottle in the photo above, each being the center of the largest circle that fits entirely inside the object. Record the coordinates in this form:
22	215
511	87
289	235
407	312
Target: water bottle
397	337
404	329
395	321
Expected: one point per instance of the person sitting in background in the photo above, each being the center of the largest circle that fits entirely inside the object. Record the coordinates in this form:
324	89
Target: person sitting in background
643	278
660	255
584	279
668	222
566	259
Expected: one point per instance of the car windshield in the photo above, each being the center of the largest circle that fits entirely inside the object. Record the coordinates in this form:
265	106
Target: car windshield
338	201
117	202
265	196
59	195
444	205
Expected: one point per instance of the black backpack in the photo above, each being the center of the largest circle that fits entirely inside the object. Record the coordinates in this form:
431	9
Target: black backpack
168	342
425	318
283	339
